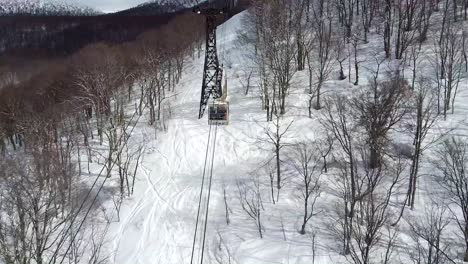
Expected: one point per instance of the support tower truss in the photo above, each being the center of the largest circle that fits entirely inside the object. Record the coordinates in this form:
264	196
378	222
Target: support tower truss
212	72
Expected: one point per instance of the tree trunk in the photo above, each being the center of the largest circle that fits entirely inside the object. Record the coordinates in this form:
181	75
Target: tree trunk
374	156
356	67
465	258
305	215
300	53
278	168
272	187
342	75
317	103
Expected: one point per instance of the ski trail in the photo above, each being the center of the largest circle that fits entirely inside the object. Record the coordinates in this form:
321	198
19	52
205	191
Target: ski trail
136	209
153	187
159	226
158	223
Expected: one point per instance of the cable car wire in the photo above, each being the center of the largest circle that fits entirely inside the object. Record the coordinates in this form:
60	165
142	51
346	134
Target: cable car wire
209	160
100	188
63	234
201	195
209	193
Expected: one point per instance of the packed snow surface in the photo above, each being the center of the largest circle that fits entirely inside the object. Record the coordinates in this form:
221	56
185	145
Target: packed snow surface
157	223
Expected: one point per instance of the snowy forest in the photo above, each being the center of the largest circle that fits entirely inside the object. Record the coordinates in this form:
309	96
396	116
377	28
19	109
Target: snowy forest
347	139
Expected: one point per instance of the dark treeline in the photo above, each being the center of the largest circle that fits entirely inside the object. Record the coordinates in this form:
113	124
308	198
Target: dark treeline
61	35
47	86
56	32
56	84
36	86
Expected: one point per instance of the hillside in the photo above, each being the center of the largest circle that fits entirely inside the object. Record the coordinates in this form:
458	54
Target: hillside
347	139
157	224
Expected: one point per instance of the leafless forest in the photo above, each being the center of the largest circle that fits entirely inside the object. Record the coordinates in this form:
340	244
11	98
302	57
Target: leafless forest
65	102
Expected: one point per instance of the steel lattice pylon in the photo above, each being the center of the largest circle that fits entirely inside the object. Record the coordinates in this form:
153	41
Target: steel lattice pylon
212	72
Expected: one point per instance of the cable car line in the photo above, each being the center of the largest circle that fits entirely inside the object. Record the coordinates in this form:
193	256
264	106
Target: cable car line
209	193
218	113
201	195
209	161
63	234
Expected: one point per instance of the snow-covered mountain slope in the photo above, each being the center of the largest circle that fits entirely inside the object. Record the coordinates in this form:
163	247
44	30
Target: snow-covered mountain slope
157	223
44	8
153	8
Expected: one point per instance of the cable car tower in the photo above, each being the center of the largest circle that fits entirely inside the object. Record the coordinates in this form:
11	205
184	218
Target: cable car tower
212	85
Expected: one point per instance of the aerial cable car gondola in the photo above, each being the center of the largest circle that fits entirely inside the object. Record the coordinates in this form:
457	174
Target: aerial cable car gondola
218	111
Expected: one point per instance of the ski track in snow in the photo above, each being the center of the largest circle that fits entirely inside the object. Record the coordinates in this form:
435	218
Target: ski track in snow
158	221
158	227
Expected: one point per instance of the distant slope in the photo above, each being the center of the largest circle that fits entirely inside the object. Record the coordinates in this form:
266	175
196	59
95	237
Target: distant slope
157	7
153	8
42	8
29	27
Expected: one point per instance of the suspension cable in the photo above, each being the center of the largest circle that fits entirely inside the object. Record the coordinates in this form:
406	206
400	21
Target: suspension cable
209	194
100	188
201	195
64	232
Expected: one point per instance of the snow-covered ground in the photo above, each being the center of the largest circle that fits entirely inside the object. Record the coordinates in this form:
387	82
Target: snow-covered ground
157	223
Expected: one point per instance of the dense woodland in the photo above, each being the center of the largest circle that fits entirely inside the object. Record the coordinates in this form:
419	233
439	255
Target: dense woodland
61	29
375	175
52	115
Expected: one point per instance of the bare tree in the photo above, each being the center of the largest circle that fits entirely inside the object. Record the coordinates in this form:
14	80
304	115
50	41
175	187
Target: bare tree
465	10
448	66
122	155
346	11
405	13
375	191
325	147
321	58
277	137
355	39
426	11
280	49
379	111
426	116
87	247
272	32
248	81
452	163
227	209
270	170
95	80
337	122
301	13
306	163
251	201
368	13
2	141
155	71
465	48
341	56
388	18
34	202
255	36
223	253
427	233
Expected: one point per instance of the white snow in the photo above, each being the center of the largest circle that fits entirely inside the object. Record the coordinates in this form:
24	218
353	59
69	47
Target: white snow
157	222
